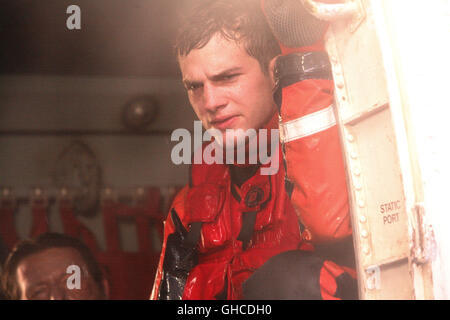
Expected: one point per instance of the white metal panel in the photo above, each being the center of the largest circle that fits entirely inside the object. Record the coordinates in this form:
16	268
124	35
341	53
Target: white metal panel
370	139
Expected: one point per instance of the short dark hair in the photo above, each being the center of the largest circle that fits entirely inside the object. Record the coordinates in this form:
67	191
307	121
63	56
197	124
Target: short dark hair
242	21
45	241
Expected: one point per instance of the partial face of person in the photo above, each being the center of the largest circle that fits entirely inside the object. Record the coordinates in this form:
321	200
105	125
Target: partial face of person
44	276
227	87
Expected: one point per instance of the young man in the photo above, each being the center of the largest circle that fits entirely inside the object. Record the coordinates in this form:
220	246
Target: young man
230	219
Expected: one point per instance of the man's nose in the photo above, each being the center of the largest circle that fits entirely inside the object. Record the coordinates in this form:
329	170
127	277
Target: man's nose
213	97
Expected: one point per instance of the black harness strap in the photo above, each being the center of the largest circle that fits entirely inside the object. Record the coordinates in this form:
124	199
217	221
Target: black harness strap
248	224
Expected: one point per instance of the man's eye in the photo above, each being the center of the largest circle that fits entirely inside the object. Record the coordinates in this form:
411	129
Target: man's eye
193	87
39	294
229	77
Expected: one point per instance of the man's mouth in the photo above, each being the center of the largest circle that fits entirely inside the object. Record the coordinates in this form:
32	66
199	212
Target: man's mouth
224	122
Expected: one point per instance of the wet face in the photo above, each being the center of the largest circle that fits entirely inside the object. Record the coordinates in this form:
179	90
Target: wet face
227	87
44	276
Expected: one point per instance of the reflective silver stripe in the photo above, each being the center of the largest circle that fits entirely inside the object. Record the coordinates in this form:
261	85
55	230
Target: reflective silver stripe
307	125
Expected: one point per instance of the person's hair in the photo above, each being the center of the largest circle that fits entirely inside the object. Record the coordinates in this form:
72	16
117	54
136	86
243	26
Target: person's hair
241	21
43	242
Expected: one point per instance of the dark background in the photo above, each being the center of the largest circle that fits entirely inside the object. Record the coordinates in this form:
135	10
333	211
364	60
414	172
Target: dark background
117	37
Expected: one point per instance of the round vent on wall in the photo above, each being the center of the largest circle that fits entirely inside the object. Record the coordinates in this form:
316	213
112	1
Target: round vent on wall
139	113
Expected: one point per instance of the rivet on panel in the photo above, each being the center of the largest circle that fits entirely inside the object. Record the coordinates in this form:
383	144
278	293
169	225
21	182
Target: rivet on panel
361	203
363	219
366	250
364	234
333	59
337	72
350	138
340	84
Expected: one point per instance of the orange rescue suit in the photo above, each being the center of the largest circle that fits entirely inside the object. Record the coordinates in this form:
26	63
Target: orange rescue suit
224	261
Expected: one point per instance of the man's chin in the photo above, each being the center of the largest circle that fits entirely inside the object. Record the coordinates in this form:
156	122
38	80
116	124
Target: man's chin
231	142
232	138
